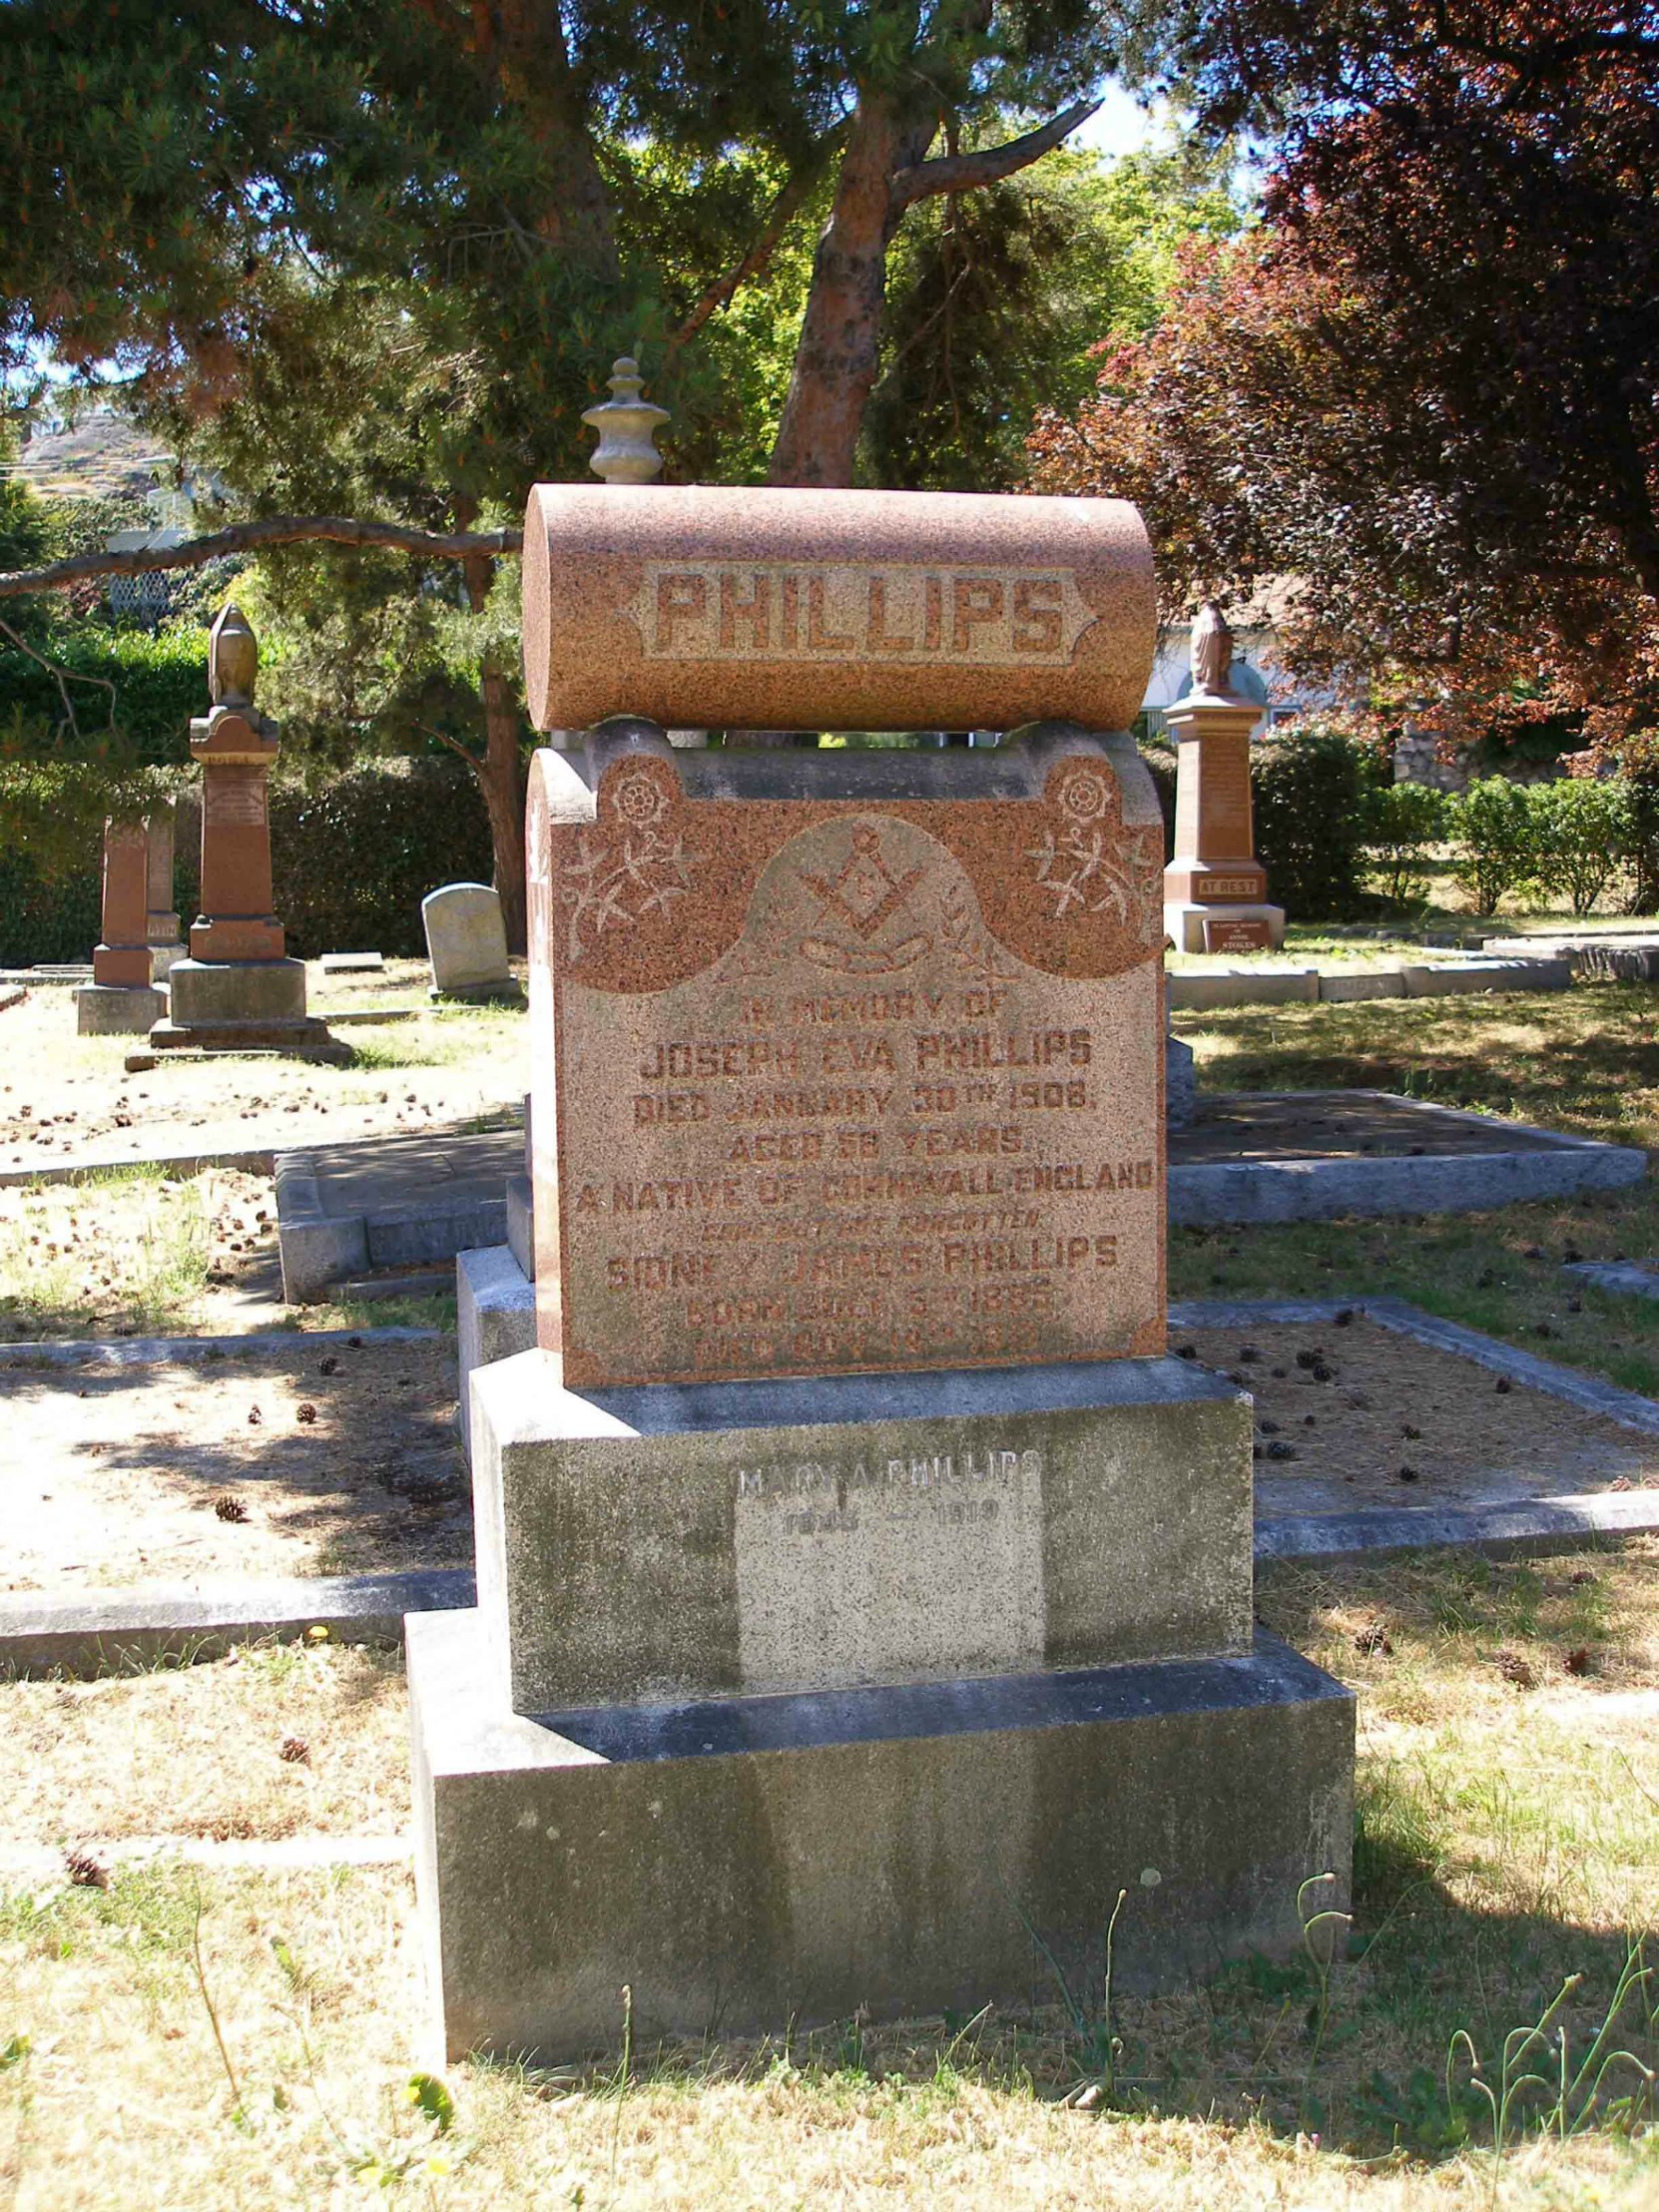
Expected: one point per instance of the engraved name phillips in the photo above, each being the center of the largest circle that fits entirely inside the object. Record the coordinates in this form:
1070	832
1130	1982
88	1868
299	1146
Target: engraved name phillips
886	611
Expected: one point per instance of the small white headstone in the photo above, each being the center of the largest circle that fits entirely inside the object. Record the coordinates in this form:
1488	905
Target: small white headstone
465	940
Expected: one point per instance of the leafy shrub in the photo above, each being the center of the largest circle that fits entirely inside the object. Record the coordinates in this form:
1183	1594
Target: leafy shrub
1403	821
352	859
145	687
352	862
1491	825
1582	837
1312	781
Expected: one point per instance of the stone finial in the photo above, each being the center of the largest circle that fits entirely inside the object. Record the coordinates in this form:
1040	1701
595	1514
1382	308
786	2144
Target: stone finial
1211	652
232	659
626	423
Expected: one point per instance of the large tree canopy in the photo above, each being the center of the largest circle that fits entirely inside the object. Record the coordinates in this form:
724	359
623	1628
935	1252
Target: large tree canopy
1426	388
372	258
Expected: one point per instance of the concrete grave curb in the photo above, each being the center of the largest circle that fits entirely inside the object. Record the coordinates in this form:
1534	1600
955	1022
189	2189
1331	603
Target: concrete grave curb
317	1248
346	1210
154	1352
124	1629
86	1165
1539	1525
1373	1184
1624	1278
1198	991
126	1633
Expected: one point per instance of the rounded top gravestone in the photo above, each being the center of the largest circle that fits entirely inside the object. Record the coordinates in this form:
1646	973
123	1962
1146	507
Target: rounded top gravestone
466	941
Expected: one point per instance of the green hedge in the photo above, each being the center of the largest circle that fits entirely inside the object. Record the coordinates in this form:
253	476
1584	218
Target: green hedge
157	683
351	864
353	860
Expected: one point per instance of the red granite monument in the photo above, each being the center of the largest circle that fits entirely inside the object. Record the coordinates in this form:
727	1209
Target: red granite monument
1215	889
238	990
120	997
865	1597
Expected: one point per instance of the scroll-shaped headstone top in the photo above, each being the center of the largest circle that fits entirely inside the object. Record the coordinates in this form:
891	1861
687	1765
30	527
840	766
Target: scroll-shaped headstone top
786	609
1210	652
232	659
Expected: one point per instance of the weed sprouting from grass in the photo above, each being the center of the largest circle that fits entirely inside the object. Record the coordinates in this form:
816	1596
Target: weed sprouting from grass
199	1973
622	2075
1095	2038
1321	1933
1563	2101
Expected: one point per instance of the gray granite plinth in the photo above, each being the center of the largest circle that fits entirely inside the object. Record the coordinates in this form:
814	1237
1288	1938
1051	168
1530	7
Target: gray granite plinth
521	1223
653	1545
495	1318
111	1009
211	991
756	1861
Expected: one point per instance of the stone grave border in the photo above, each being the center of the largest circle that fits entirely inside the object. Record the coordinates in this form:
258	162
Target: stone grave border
123	1633
1369	1185
1623	1277
1193	991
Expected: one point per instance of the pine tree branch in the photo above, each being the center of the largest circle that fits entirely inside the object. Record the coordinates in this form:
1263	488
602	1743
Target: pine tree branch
967	171
243	537
796	191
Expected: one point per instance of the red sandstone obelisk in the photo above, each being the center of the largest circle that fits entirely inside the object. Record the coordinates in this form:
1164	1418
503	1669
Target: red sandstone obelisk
1215	889
120	997
238	990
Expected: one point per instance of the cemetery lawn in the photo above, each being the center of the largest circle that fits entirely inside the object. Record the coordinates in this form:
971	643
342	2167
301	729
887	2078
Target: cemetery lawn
62	1096
1584	1060
205	2031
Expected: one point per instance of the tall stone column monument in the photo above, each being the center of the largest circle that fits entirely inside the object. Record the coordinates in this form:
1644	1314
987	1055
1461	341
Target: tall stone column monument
120	997
165	945
1215	889
238	990
864	1596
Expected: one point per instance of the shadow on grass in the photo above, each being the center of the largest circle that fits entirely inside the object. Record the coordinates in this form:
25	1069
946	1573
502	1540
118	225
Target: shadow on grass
1584	1060
1357	2057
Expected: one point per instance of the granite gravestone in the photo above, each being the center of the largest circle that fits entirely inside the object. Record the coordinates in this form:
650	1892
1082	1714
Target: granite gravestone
1215	889
120	997
161	920
859	1586
466	943
238	990
849	1078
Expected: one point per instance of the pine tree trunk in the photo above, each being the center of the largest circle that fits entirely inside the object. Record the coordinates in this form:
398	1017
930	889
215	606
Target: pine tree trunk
838	353
497	772
498	778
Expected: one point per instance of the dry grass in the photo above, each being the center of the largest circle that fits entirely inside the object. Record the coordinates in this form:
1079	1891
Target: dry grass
198	1752
341	1461
61	1095
1509	1836
134	1253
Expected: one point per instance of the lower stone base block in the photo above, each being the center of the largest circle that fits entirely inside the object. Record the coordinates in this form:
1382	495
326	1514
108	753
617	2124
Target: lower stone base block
113	1009
307	1039
752	1863
210	992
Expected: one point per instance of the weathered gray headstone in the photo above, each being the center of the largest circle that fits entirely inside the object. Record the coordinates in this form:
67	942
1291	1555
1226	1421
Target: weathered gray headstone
466	942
